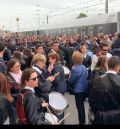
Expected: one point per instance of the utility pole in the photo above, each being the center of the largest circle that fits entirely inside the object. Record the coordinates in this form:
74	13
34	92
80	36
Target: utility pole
38	14
106	6
17	19
47	19
118	22
38	21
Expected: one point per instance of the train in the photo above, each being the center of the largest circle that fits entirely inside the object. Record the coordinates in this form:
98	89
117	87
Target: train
91	25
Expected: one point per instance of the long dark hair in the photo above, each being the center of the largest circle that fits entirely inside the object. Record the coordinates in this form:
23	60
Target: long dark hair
11	63
102	60
25	76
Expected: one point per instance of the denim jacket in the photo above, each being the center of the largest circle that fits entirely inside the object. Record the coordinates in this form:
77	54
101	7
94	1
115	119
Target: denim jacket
79	74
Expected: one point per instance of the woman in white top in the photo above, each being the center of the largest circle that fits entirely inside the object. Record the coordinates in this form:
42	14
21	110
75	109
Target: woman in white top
14	76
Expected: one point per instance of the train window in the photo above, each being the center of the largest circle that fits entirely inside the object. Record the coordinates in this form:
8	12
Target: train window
69	31
79	30
82	32
100	29
74	30
90	31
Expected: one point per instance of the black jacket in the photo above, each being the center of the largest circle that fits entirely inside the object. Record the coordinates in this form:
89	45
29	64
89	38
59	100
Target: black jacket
3	67
116	47
7	55
104	99
117	43
68	54
14	86
87	61
33	109
59	84
44	86
6	110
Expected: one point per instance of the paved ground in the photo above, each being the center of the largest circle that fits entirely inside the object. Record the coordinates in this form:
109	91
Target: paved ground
73	117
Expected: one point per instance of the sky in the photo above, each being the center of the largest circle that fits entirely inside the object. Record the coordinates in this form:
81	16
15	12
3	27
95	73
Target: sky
32	13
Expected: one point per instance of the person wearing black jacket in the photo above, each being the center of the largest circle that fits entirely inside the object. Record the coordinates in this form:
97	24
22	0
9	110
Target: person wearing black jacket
104	95
55	48
44	78
86	58
59	83
3	67
116	46
6	108
32	104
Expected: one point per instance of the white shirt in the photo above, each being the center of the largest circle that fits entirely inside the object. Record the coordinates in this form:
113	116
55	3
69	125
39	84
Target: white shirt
108	55
37	69
85	55
30	88
53	51
17	77
95	60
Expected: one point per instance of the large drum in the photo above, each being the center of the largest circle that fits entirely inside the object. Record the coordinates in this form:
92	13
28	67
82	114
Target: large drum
57	103
52	119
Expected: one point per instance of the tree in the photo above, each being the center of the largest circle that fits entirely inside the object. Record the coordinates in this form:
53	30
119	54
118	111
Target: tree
81	15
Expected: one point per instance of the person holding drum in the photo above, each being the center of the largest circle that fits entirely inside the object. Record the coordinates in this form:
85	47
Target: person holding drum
44	78
59	84
32	104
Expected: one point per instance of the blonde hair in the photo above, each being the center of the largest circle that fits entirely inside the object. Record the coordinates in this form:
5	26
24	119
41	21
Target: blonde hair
38	57
77	58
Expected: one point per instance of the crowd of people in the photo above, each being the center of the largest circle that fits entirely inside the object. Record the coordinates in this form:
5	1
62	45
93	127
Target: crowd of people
34	66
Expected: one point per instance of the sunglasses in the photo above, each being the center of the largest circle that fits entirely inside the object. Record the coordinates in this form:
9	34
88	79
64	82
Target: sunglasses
105	50
34	79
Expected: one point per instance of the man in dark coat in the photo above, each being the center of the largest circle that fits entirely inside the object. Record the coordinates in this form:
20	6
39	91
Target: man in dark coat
2	63
55	48
116	46
6	110
104	95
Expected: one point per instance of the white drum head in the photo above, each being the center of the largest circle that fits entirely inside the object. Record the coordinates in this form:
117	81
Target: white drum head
51	119
57	101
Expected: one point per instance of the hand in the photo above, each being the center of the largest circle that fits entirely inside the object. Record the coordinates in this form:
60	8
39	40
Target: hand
54	123
45	105
51	78
9	98
56	74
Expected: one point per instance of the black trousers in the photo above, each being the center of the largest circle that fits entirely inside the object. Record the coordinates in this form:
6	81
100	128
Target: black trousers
79	98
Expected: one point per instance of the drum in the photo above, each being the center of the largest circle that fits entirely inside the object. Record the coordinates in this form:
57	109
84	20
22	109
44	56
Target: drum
57	103
66	72
52	119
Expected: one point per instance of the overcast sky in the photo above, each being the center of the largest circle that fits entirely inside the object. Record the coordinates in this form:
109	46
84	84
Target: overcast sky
57	10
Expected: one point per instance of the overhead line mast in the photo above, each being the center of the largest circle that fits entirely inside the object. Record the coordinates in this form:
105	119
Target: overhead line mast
106	6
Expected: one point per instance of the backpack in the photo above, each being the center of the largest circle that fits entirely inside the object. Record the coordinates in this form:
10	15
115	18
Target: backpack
20	109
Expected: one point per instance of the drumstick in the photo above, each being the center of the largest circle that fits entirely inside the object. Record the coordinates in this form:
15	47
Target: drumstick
50	113
63	118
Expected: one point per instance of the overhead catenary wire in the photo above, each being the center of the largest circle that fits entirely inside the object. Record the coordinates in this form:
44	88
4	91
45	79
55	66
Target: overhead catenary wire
54	17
